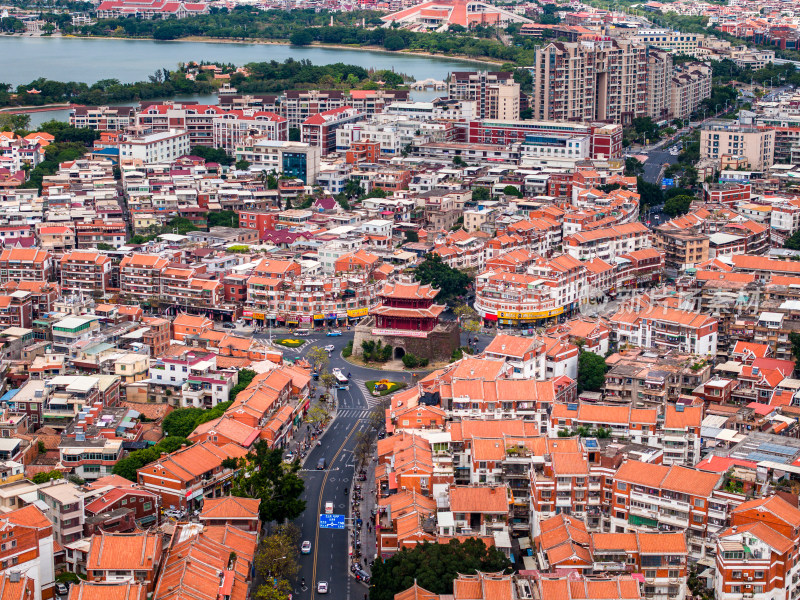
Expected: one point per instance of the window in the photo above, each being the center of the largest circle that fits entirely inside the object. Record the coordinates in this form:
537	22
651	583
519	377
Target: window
622	486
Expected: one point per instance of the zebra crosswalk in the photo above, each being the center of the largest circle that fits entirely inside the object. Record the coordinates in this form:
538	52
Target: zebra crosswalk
362	385
352	413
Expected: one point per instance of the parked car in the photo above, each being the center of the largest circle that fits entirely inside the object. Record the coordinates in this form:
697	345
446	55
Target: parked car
305	548
229	325
334	333
61	589
321	463
288	457
322	587
362	576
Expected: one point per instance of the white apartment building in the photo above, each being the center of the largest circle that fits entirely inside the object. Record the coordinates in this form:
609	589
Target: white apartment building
162	147
293	159
609	242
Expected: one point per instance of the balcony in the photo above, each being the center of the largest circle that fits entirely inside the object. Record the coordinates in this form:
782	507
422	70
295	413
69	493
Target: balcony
670	519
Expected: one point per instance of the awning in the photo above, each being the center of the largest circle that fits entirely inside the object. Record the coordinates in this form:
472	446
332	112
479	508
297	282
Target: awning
637	520
392	481
490	317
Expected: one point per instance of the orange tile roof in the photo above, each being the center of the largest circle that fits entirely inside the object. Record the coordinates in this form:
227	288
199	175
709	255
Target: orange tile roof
625	542
775	505
662	543
415	592
89	590
510	345
765	533
28	516
570	463
23	589
124	552
230	507
188	463
690	416
482	499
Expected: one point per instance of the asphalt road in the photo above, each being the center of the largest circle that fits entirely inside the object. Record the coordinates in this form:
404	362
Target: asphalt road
656	161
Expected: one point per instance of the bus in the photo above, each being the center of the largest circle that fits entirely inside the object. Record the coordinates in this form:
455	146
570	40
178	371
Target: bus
341	380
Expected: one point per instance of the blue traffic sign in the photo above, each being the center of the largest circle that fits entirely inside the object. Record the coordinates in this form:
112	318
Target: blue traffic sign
331	521
667	182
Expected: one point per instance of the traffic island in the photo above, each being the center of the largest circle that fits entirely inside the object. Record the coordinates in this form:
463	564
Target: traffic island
289	342
384	387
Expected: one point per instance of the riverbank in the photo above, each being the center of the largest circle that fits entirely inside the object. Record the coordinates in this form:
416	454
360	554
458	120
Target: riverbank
18	110
261	42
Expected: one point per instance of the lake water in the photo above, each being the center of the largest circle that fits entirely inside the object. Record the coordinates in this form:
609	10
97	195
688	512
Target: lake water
89	60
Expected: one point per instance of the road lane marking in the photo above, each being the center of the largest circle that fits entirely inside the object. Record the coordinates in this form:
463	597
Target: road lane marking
319	511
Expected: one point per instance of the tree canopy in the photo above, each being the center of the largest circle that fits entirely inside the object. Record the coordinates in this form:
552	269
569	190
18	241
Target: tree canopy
591	371
678	205
451	282
128	466
793	242
264	475
183	421
433	567
223	218
245	377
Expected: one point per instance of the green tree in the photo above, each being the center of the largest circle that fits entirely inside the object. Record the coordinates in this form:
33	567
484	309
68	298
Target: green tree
242	165
649	193
470	320
793	242
264	475
633	166
327	379
301	37
794	339
678	205
318	358
433	567
222	218
591	371
46	476
512	190
480	194
209	154
276	556
10	122
449	281
318	414
128	466
294	136
411	236
245	377
394	42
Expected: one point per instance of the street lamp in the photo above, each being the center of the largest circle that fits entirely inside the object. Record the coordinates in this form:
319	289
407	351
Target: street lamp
716	109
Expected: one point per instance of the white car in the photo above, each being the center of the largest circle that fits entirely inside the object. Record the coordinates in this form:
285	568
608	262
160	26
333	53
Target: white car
305	548
322	587
329	348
